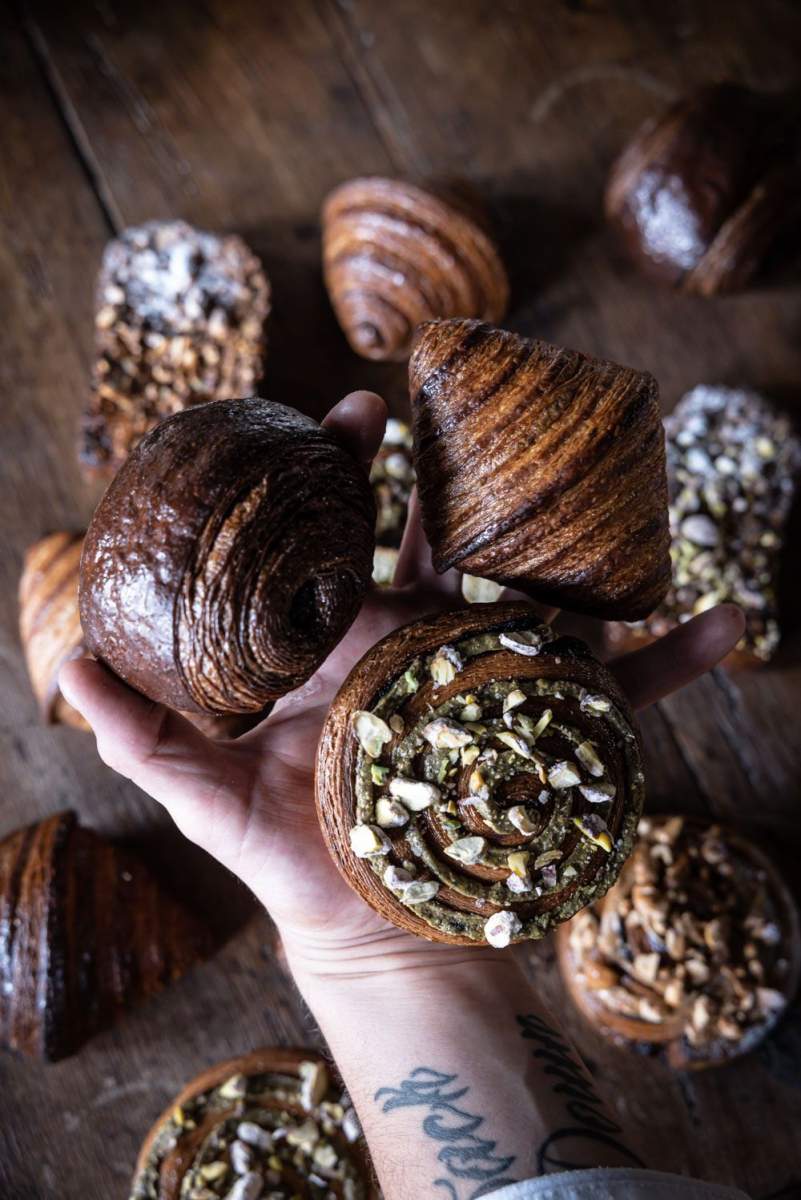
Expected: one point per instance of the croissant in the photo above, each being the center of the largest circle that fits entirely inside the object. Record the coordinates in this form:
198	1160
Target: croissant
540	468
395	255
274	1122
228	557
50	629
734	463
180	317
706	193
695	952
85	931
479	778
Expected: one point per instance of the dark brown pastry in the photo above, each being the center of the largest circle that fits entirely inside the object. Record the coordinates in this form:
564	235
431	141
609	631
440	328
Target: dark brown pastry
50	629
85	931
478	777
395	255
228	557
733	466
694	953
273	1123
540	468
179	320
706	193
392	477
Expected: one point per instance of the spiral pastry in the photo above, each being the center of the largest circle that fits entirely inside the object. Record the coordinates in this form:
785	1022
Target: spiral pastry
395	255
705	193
540	468
228	557
50	629
85	931
479	778
273	1123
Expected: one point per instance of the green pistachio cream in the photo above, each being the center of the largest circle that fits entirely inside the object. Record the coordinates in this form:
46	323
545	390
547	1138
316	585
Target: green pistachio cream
509	797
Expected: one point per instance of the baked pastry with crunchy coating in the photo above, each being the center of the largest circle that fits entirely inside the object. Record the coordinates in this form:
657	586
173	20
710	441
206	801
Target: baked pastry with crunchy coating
180	319
396	254
274	1123
540	468
85	932
478	777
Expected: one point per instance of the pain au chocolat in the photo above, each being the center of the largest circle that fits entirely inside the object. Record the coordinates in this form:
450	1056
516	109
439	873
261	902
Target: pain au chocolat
478	777
228	557
273	1124
396	254
85	931
540	468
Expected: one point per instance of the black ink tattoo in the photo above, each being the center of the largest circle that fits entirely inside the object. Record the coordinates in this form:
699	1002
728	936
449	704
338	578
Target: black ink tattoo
465	1155
571	1148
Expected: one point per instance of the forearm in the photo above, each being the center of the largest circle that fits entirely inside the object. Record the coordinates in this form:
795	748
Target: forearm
462	1081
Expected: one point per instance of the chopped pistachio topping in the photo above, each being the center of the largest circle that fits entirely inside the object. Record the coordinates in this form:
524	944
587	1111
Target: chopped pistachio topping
517	862
523	641
372	732
598	792
518	815
445	665
420	892
368	840
514	742
415	794
594	829
514	699
378	774
501	928
444	734
480	591
390	814
563	774
588	757
467	849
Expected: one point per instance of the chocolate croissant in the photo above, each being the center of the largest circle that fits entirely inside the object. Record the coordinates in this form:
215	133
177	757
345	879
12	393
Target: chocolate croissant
705	194
50	629
479	778
180	319
274	1123
228	557
395	255
540	468
85	931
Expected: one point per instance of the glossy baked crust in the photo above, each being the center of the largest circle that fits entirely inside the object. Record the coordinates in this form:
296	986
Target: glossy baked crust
228	557
85	931
540	468
395	254
500	786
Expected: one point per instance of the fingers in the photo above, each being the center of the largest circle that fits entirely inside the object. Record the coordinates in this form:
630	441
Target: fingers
163	753
358	422
673	661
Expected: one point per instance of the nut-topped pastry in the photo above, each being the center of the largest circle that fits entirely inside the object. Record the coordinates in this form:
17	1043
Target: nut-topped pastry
733	465
179	320
696	950
479	778
396	254
274	1124
392	478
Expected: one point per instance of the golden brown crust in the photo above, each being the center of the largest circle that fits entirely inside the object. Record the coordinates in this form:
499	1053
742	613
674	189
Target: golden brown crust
540	468
396	254
85	931
470	893
228	557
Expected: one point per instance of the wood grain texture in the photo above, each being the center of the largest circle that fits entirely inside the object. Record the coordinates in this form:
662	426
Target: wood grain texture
241	117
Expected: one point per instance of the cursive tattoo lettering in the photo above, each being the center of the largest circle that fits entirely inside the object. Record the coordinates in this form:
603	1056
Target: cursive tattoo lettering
465	1155
573	1147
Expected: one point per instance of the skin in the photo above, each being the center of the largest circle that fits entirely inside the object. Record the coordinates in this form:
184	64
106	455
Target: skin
385	1000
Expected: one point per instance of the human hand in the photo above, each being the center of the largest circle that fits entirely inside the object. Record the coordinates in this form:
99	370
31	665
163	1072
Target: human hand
250	803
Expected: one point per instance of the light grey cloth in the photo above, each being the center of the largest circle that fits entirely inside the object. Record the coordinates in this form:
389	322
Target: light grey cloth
616	1183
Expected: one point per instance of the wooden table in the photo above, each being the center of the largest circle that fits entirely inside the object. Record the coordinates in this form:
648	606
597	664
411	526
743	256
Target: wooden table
240	115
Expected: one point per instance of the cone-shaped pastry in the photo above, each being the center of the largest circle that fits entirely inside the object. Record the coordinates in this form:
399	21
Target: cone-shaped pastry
180	320
50	629
395	255
228	557
696	951
479	778
85	931
272	1123
705	193
540	468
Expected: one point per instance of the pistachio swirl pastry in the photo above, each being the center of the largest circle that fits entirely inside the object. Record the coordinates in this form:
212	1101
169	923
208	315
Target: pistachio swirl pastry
273	1124
85	931
395	254
49	625
228	557
706	192
540	468
479	778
